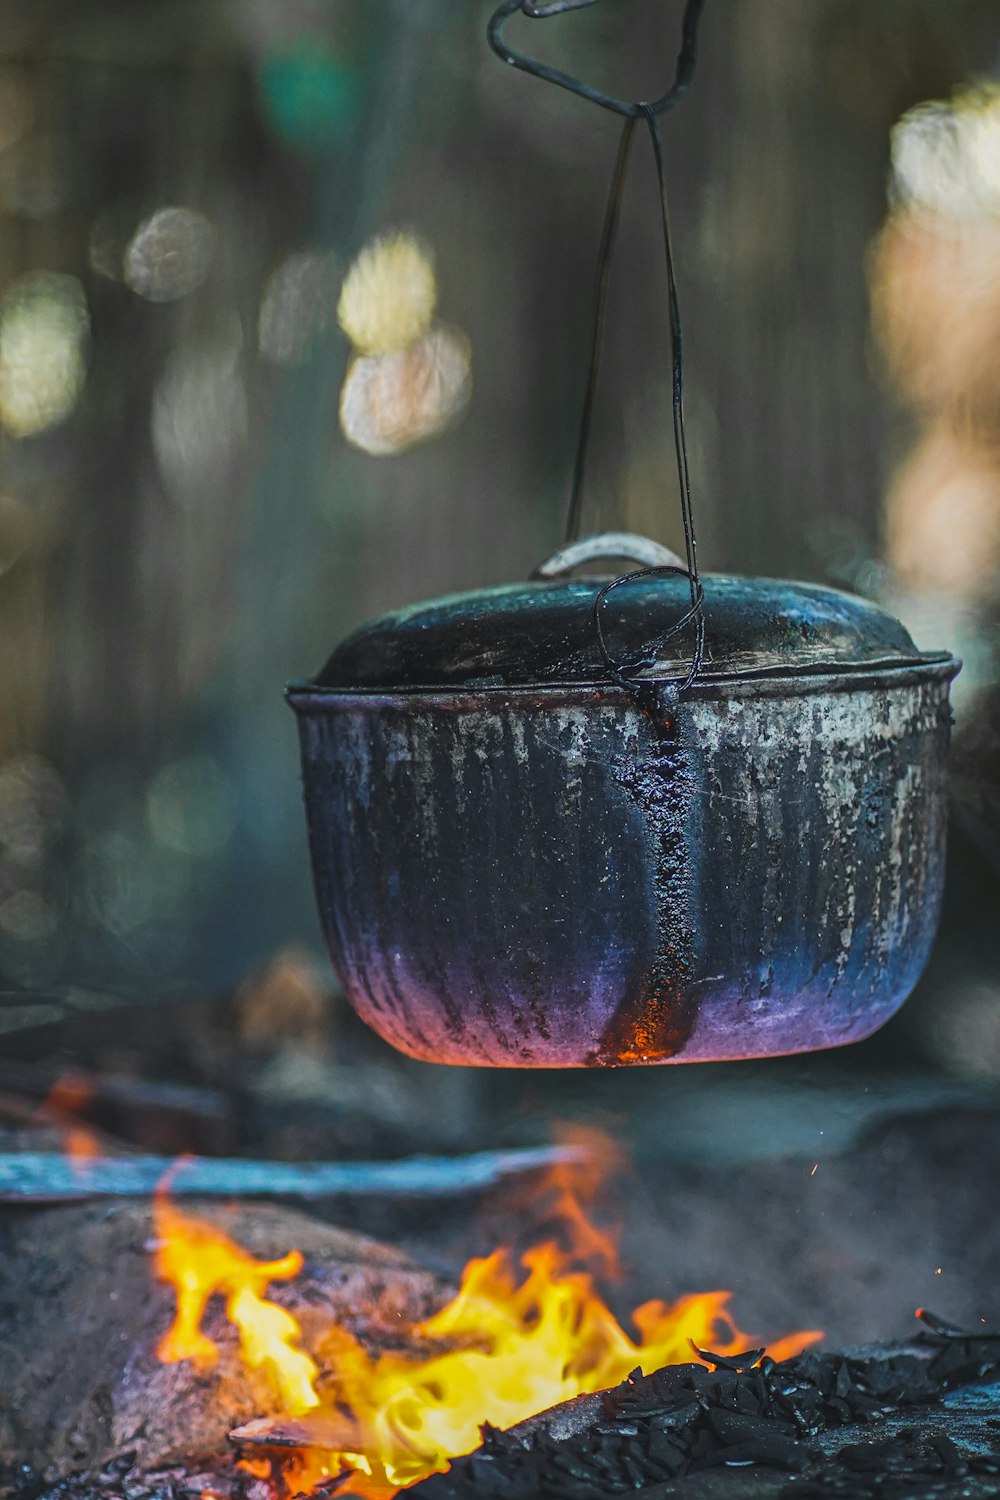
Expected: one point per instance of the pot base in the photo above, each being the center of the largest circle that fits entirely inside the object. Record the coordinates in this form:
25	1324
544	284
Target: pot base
542	878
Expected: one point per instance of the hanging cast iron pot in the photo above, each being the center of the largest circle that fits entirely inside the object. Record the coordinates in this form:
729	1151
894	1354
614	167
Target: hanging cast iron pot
519	861
628	819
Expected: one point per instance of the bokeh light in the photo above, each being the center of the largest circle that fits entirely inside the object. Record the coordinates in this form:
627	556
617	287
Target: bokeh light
191	806
123	887
936	313
198	421
389	295
311	96
391	401
935	267
946	157
43	334
967	1031
33	808
943	517
935	281
298	306
170	254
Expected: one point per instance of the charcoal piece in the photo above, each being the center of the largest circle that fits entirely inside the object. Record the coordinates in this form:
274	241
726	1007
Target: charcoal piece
690	1419
734	1427
870	1457
736	1362
777	1452
751	1400
665	1448
676	1418
864	1406
573	1464
484	1469
658	1473
633	1471
772	1451
605	1460
558	1487
941	1326
759	1384
809	1367
722	1389
952	1357
948	1452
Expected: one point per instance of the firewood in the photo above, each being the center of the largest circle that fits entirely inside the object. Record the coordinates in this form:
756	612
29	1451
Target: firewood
76	1282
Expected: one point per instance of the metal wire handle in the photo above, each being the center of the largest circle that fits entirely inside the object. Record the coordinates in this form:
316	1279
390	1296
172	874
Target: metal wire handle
683	74
657	699
631	111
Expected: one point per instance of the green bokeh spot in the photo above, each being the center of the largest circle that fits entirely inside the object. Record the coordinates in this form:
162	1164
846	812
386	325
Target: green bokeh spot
313	100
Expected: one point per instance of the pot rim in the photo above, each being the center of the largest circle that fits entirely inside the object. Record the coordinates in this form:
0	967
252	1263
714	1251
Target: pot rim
931	666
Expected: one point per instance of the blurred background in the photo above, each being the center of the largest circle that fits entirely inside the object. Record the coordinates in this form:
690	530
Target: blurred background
225	439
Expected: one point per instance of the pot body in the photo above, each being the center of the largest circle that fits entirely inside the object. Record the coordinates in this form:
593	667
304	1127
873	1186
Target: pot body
542	877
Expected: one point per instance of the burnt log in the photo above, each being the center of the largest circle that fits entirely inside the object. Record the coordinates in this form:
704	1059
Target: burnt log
81	1314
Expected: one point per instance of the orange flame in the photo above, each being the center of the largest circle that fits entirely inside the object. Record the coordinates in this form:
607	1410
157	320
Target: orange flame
70	1092
521	1335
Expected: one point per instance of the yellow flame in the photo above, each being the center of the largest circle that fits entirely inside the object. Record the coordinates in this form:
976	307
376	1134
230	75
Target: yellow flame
199	1261
518	1344
520	1336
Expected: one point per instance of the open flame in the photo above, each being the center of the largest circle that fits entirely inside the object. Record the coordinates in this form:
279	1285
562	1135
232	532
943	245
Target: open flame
67	1096
522	1334
201	1262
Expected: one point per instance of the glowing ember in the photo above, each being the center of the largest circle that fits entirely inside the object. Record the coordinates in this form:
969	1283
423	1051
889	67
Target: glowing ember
522	1334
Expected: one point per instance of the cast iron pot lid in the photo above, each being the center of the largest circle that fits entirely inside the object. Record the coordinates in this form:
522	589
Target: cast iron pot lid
542	633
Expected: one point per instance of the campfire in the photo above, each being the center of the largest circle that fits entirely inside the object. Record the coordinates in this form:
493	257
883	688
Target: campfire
499	1342
523	1334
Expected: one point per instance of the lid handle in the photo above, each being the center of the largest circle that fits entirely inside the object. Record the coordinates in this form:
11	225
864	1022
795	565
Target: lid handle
609	544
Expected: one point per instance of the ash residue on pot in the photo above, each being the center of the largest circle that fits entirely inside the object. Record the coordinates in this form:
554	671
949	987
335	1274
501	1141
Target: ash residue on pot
820	854
493	912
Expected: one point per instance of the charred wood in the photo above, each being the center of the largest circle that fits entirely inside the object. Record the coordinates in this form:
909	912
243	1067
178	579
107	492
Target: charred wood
687	1420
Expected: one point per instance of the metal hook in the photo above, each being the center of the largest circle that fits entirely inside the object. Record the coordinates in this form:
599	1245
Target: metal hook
656	698
649	112
683	74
